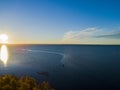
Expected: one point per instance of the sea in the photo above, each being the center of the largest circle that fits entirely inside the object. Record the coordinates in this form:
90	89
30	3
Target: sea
66	67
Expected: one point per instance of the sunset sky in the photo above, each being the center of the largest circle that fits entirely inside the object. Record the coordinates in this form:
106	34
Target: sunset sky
60	21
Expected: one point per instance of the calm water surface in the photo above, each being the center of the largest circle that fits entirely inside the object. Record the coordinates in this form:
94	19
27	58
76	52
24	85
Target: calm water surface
67	67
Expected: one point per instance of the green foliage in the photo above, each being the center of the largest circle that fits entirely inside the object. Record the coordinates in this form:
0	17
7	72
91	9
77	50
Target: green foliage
11	82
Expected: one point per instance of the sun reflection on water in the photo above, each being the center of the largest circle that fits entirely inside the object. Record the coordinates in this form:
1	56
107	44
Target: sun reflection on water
4	54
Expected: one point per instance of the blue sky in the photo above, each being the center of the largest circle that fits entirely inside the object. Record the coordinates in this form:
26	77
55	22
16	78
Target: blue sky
61	21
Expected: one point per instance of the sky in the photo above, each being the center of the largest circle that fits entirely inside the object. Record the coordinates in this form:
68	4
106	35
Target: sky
60	21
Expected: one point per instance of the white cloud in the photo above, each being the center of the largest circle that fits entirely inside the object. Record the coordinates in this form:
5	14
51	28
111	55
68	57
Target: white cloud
90	34
77	35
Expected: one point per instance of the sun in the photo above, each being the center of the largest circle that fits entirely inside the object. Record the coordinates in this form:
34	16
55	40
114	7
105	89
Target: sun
4	38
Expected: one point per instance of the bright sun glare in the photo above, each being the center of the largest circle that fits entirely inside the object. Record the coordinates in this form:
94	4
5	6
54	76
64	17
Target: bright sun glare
4	38
4	54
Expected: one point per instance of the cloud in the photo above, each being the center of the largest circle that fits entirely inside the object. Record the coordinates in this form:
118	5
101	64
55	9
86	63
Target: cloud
115	35
90	33
76	35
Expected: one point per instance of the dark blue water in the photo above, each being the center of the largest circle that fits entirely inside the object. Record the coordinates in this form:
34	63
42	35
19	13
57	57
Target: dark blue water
68	67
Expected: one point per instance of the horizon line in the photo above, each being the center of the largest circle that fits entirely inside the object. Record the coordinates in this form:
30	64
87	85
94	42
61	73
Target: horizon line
52	44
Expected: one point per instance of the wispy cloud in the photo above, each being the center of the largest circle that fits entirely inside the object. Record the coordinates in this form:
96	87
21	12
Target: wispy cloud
90	33
115	35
